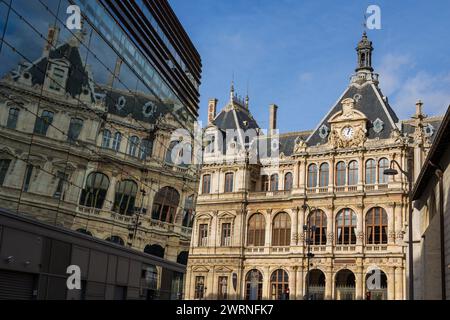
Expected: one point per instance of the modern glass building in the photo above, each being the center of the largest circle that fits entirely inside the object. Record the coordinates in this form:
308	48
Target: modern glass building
92	95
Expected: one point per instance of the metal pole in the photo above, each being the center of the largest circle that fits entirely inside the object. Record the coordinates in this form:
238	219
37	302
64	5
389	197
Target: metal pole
410	242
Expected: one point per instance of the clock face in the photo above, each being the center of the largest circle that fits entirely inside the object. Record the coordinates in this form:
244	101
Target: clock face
348	132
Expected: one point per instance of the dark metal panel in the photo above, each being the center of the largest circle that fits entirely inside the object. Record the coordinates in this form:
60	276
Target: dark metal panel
80	257
95	291
98	263
16	285
133	293
60	257
123	266
56	289
134	274
20	251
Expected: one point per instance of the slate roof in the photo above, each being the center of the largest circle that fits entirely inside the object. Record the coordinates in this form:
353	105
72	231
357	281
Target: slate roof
235	117
370	104
287	141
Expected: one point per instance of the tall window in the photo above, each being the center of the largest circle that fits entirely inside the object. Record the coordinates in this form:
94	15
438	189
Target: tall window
222	288
312	176
43	122
203	235
288	181
383	164
253	285
13	117
353	170
256	233
346	227
4	166
146	149
125	197
377	226
324	175
281	230
274	182
265	183
75	127
318	219
133	146
116	141
28	174
206	185
165	205
340	174
371	169
94	194
225	240
279	285
188	213
62	178
199	287
106	138
229	182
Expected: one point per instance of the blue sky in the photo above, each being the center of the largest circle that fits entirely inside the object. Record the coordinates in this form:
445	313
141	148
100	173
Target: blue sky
300	54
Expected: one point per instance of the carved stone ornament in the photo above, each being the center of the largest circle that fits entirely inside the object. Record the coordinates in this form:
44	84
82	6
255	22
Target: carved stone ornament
300	145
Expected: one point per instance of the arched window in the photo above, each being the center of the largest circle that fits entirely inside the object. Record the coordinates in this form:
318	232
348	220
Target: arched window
13	117
383	164
279	285
377	226
281	230
188	212
106	138
256	233
288	181
182	257
165	205
75	127
324	175
117	141
353	169
346	227
94	193
265	183
146	149
312	176
155	250
318	219
116	239
274	182
253	285
340	174
84	231
206	185
229	182
371	169
133	146
125	197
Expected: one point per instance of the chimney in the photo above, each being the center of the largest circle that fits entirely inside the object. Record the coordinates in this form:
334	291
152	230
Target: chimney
212	109
419	111
116	73
52	39
273	118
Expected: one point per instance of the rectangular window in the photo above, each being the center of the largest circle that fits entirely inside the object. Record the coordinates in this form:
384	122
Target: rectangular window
265	183
43	122
74	129
229	182
199	287
222	288
226	235
206	186
62	178
203	235
4	166
13	117
57	79
28	174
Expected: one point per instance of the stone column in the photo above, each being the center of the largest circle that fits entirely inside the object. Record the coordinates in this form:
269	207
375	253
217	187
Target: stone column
294	233
360	228
359	285
110	194
209	294
399	277
361	173
302	185
391	283
330	227
268	233
300	282
331	178
391	224
292	283
398	222
329	284
266	284
296	175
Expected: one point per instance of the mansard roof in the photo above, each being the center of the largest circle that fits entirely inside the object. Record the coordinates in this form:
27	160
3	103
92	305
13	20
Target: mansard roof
369	100
287	141
235	116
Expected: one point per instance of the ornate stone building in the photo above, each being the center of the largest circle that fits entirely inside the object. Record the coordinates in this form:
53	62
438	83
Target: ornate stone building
93	158
249	239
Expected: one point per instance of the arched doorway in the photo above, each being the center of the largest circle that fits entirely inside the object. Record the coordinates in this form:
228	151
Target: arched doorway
279	285
155	250
253	285
345	285
316	288
376	285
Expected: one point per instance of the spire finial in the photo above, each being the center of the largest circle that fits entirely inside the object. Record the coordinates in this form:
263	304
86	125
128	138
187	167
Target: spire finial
232	90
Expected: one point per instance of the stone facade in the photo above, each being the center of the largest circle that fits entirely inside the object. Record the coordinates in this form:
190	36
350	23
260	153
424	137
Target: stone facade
249	237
